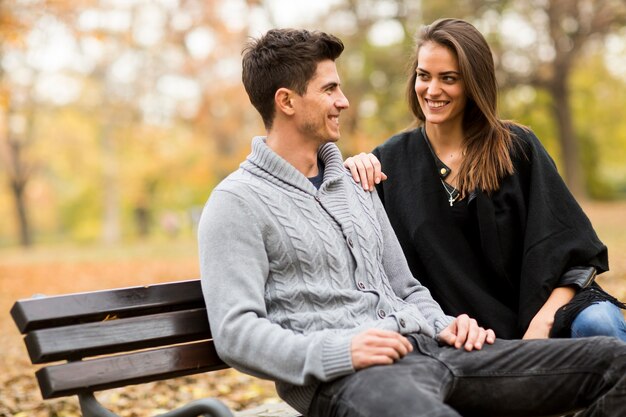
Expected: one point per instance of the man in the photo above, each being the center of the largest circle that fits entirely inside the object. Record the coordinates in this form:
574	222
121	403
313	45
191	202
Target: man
306	284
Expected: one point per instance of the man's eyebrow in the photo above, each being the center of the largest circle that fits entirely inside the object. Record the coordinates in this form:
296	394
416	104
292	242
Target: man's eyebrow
330	84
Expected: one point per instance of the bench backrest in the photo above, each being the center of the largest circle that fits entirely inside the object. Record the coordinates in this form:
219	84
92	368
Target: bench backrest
117	337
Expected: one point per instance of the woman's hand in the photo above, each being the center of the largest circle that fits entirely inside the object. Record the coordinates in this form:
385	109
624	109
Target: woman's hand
541	324
539	327
365	169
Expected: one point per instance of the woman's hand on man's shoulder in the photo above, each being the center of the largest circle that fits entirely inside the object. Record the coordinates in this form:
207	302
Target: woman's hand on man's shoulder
366	170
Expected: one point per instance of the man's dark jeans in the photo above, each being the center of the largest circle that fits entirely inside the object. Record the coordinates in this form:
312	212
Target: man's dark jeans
509	378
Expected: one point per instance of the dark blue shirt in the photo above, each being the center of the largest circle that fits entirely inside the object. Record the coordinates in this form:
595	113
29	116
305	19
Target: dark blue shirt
319	178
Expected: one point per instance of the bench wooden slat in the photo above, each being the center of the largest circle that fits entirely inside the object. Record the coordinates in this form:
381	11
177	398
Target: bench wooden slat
120	335
63	310
134	368
147	333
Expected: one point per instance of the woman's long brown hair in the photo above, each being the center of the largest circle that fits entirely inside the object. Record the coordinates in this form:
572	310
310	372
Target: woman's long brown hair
488	141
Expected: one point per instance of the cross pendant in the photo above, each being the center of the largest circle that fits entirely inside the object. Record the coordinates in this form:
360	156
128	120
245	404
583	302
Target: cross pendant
451	200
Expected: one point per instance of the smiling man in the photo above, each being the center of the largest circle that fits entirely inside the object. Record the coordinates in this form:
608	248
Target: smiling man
306	284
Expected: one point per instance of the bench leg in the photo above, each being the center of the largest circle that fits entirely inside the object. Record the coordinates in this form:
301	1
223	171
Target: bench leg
92	408
208	407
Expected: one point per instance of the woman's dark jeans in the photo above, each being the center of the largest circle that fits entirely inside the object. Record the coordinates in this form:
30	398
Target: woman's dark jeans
509	378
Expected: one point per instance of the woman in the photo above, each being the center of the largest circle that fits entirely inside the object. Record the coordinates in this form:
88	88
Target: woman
484	218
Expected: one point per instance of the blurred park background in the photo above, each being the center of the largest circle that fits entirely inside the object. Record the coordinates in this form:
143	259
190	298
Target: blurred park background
118	117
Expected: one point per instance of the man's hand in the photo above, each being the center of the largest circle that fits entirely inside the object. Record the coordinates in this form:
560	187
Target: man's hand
366	169
378	347
465	332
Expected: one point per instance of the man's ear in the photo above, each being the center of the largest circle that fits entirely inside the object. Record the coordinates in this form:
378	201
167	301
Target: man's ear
283	100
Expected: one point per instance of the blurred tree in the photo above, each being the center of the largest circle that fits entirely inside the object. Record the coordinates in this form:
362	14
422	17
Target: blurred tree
114	114
126	66
541	43
17	139
11	161
19	105
16	125
597	109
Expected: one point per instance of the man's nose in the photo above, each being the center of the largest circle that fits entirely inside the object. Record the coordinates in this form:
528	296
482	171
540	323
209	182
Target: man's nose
342	101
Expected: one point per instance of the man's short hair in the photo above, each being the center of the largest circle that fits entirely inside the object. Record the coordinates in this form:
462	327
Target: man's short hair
284	58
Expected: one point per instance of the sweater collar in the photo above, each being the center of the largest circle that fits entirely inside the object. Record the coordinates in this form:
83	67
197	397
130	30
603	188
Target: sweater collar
265	162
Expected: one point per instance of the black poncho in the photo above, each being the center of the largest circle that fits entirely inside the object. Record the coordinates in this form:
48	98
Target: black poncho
527	234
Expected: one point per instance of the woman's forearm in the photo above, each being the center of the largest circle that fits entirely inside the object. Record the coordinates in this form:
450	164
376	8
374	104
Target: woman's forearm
541	324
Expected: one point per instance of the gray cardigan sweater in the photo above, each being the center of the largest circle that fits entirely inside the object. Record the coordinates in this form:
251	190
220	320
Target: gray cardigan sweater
291	273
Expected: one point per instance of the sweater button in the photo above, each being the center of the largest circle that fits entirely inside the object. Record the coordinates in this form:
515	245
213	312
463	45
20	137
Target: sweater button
382	314
361	285
317	199
350	242
402	323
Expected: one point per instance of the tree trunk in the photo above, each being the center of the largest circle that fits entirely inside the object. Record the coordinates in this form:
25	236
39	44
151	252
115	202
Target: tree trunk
570	151
18	189
18	178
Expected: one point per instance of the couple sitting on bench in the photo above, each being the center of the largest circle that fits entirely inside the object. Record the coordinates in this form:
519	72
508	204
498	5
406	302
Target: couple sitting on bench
306	283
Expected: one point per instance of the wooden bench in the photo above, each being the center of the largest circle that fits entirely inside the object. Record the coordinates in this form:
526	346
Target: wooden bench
113	338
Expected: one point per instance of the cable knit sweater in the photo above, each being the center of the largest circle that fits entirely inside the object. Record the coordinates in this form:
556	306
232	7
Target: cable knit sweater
291	273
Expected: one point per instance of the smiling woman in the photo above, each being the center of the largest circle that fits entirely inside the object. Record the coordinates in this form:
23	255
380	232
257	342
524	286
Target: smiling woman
483	217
